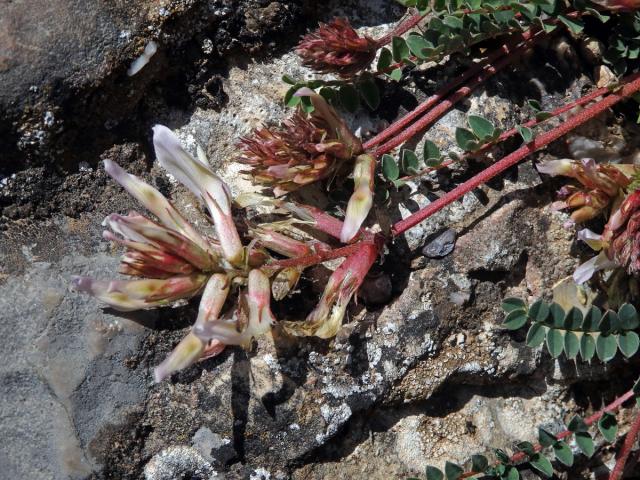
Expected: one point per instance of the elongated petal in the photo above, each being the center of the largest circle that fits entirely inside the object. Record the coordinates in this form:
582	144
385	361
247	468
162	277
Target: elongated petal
279	243
585	271
555	167
362	199
251	319
140	229
198	178
593	239
325	113
186	353
128	295
155	202
213	298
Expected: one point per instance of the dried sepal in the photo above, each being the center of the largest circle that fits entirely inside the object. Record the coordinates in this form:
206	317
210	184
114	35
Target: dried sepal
336	47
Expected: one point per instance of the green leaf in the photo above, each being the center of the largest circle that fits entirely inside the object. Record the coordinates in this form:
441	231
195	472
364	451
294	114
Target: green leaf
563	453
410	163
585	443
416	44
453	22
546	439
628	342
539	311
573	320
481	127
511	303
329	94
306	105
396	74
587	347
557	315
515	319
592	320
369	93
479	463
576	424
390	168
348	97
535	105
452	471
536	335
399	49
576	26
571	345
434	473
609	323
526	447
606	347
512	473
608	426
525	132
432	152
289	80
542	116
289	99
501	455
628	317
555	342
542	464
465	139
384	60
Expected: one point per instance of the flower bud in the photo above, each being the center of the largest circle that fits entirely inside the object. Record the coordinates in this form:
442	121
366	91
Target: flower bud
361	200
337	48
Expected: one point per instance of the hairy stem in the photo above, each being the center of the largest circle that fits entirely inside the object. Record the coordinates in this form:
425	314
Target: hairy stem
613	406
435	113
510	133
514	158
319	257
402	28
629	441
398	125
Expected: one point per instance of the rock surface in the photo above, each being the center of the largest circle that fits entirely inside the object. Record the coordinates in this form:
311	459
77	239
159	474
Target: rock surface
428	377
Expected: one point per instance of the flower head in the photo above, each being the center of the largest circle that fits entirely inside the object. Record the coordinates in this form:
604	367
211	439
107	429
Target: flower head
601	184
336	47
302	150
177	262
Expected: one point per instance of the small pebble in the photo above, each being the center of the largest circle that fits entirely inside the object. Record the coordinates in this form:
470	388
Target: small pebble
441	246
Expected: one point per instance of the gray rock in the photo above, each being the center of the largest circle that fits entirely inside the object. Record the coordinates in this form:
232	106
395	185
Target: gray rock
441	246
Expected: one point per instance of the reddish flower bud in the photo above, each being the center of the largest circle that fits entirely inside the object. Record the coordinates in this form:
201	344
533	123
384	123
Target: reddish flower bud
337	48
300	151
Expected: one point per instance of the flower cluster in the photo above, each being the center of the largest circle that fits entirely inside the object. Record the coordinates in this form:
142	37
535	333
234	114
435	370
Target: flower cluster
174	261
337	48
602	184
619	244
306	149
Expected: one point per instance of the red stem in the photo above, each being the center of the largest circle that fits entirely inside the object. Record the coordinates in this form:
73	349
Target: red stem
398	125
632	435
520	456
456	96
512	159
510	133
401	29
319	257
